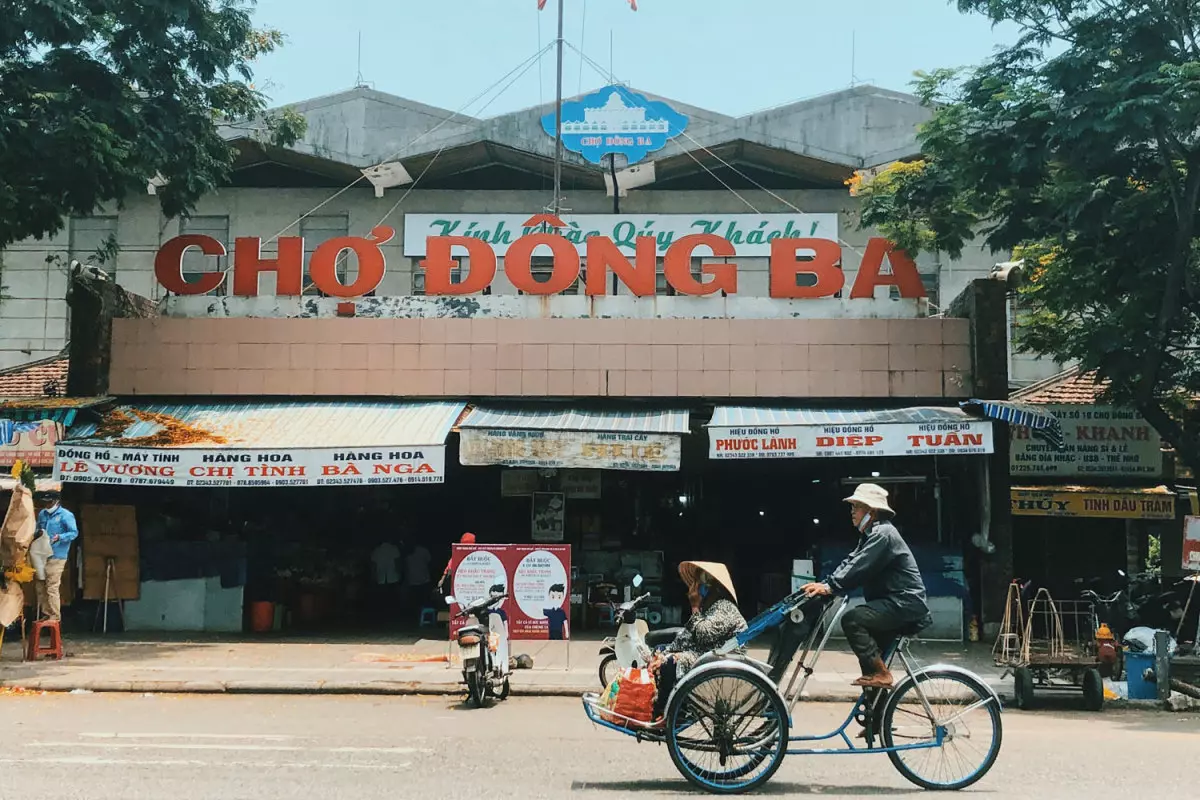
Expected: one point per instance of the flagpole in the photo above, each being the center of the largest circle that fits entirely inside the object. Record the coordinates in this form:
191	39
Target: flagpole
558	143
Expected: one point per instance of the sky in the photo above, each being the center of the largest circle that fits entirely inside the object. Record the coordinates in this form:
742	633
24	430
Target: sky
724	55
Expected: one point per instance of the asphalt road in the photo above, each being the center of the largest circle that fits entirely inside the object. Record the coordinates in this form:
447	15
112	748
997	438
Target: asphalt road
163	747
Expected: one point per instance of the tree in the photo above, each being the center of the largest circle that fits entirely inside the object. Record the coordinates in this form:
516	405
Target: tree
1078	150
99	97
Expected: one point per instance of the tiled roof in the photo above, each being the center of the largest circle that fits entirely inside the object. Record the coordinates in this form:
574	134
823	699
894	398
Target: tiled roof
1067	388
30	380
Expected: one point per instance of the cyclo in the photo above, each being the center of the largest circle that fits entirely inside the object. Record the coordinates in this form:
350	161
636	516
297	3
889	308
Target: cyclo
728	724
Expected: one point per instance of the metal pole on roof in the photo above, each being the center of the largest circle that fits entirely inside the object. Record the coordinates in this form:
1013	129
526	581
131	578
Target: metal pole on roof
558	143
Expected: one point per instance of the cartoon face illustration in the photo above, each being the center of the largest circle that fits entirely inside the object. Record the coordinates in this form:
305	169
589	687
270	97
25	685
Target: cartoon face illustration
555	595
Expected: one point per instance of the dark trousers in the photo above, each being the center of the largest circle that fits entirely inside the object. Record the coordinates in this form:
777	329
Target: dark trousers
667	675
872	628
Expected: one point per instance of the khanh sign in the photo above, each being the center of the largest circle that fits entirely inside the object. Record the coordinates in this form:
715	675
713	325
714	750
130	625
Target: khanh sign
1113	504
569	449
186	466
1100	441
632	259
841	441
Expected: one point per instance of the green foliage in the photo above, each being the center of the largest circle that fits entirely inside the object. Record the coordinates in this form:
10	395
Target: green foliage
97	97
1154	555
1078	150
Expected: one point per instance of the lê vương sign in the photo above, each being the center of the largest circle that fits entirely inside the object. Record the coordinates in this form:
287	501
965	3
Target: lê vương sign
820	259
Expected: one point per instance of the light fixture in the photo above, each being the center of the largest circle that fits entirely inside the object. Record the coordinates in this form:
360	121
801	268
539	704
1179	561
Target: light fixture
629	178
387	176
155	183
683	499
874	474
816	521
762	513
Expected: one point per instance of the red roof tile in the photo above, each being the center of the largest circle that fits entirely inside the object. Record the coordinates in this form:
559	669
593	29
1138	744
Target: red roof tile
1068	388
31	380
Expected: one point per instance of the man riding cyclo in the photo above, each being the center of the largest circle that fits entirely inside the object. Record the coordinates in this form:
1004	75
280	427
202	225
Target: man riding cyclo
884	568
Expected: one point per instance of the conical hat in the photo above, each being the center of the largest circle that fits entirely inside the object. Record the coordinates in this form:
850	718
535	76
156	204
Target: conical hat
689	570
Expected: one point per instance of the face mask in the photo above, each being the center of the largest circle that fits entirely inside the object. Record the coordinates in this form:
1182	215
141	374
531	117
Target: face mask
703	591
866	521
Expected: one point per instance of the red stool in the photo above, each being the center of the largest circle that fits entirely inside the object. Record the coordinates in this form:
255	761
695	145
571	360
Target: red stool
54	649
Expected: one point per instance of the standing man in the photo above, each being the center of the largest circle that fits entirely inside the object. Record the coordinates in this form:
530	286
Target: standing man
884	568
58	525
442	585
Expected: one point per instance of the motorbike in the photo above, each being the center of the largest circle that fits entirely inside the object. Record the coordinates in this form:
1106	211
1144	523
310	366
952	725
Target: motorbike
622	651
483	647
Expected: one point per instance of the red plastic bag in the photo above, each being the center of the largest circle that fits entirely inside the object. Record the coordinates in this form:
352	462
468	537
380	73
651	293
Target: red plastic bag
635	695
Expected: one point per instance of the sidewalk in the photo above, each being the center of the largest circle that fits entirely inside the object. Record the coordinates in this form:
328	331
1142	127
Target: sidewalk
136	663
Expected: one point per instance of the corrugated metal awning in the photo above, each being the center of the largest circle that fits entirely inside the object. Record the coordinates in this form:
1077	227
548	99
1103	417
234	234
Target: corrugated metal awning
662	421
276	425
751	416
55	409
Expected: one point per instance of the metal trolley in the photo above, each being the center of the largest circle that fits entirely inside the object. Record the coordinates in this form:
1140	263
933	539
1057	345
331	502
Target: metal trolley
1051	647
728	724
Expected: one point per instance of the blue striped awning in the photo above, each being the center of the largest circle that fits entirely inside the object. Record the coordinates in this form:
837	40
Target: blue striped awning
1042	424
664	421
751	416
275	425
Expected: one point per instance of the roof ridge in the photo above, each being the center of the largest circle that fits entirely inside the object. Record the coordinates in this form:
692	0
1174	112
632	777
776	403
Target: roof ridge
1054	380
41	362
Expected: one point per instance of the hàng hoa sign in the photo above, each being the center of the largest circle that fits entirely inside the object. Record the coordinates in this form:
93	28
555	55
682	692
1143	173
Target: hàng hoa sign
633	262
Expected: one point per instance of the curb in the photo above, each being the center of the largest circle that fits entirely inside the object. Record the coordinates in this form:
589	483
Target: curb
394	688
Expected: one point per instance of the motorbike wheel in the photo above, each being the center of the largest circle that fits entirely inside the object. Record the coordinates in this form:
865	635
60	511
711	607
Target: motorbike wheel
474	687
608	671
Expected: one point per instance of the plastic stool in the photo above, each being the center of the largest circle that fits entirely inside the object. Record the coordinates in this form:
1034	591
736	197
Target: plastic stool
428	617
54	649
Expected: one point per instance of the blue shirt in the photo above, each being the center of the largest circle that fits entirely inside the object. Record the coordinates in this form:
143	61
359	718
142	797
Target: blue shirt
61	523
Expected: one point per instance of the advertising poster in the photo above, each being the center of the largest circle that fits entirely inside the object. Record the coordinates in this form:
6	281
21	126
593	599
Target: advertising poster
31	442
549	516
1191	544
537	579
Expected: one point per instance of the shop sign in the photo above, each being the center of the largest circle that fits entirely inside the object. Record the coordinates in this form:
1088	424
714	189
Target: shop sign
1191	544
790	250
843	441
31	442
581	484
1100	441
540	449
750	235
518	482
1108	505
186	466
537	579
615	120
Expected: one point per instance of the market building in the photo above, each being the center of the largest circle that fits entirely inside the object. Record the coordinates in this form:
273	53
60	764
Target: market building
381	336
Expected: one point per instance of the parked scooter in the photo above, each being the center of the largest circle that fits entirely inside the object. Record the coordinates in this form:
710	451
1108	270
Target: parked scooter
483	647
622	651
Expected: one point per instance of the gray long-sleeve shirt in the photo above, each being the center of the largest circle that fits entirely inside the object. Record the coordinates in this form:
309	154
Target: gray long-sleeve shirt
884	568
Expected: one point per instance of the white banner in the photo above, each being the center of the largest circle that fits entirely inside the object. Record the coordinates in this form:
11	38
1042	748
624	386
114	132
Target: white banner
750	234
653	452
841	441
1100	441
185	466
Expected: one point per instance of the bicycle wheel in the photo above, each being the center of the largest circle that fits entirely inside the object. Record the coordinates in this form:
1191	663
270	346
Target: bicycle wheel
727	730
967	713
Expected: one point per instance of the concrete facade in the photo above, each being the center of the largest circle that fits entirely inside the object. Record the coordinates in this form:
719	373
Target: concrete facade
794	157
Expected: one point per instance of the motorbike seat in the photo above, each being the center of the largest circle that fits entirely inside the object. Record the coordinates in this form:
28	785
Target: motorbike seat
661	637
469	629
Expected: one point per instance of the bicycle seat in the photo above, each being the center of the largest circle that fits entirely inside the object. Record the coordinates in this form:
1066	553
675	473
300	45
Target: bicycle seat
661	637
914	628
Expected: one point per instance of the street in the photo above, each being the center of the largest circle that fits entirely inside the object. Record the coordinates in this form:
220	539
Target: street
152	747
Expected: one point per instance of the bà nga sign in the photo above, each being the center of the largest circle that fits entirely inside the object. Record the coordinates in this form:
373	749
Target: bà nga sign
633	261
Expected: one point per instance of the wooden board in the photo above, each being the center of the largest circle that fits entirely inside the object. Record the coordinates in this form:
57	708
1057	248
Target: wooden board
110	532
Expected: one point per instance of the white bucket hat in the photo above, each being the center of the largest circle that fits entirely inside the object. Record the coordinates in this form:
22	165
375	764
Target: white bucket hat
871	496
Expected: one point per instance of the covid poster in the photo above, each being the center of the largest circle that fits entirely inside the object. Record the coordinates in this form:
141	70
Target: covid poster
537	579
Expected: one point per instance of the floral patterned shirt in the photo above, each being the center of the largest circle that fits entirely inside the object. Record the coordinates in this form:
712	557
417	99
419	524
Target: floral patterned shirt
705	631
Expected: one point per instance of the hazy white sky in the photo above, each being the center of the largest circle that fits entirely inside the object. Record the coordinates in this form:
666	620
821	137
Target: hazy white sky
731	57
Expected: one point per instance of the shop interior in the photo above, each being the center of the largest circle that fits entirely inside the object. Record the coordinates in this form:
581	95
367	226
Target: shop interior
312	553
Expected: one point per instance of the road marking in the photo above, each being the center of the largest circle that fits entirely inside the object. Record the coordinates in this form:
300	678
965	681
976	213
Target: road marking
176	762
270	737
276	748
